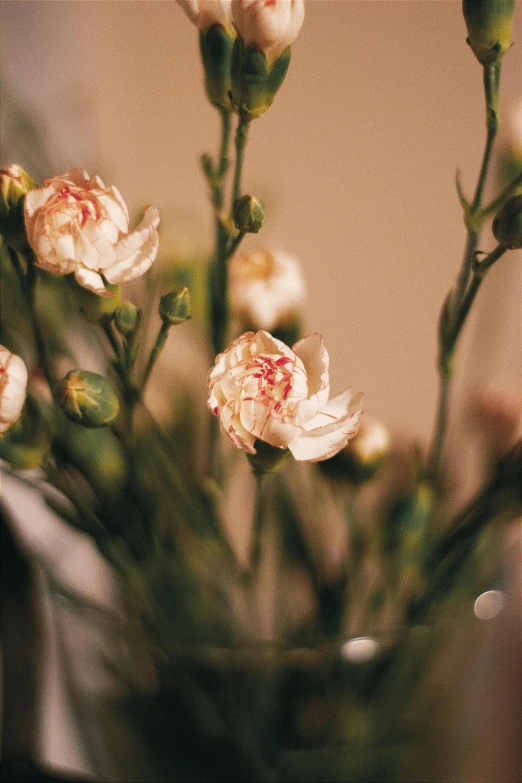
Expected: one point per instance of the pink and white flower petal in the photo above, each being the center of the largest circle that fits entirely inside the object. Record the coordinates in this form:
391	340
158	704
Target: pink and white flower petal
336	409
137	264
259	418
91	280
312	352
232	427
116	208
133	242
324	442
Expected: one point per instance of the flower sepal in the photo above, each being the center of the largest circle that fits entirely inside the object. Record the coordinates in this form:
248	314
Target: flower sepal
93	306
254	84
267	458
216	46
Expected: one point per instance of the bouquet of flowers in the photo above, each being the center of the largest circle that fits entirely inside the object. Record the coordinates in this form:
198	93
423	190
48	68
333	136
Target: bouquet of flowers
270	661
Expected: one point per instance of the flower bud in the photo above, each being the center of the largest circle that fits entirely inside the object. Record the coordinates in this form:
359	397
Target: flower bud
13	383
15	183
363	456
213	18
261	53
489	24
126	318
174	308
266	290
249	213
87	398
507	226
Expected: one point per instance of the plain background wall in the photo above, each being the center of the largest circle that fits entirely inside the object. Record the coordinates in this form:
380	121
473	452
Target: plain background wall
355	160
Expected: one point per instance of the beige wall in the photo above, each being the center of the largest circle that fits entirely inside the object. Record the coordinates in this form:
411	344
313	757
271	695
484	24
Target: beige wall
355	160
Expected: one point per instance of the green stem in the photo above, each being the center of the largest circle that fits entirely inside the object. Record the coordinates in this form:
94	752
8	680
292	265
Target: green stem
241	140
257	528
465	298
161	339
491	92
235	244
28	285
225	142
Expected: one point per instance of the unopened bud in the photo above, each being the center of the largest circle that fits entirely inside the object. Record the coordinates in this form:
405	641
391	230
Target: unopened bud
87	398
126	318
507	226
174	308
15	183
489	24
249	213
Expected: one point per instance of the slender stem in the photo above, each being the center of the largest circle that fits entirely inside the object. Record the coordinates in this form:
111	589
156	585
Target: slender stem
223	151
491	92
28	284
235	244
440	427
255	546
241	140
161	339
465	297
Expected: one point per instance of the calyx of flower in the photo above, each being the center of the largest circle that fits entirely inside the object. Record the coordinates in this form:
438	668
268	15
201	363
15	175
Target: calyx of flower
262	389
261	55
76	225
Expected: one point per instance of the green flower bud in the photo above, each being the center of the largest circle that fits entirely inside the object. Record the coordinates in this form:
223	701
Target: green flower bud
87	398
174	308
249	213
489	24
267	459
254	85
507	226
15	183
95	307
216	54
126	318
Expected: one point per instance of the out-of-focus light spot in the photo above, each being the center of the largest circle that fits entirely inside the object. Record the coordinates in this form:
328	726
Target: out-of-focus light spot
489	604
359	650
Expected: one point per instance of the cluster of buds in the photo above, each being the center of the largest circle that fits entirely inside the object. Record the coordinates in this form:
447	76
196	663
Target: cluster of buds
245	49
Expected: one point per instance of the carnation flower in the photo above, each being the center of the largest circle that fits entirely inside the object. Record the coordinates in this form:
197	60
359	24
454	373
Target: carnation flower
13	383
205	13
266	288
262	389
269	25
76	225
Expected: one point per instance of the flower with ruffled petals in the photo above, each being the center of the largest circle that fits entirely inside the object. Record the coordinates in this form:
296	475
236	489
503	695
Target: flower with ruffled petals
77	225
263	390
266	288
205	13
13	383
269	25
